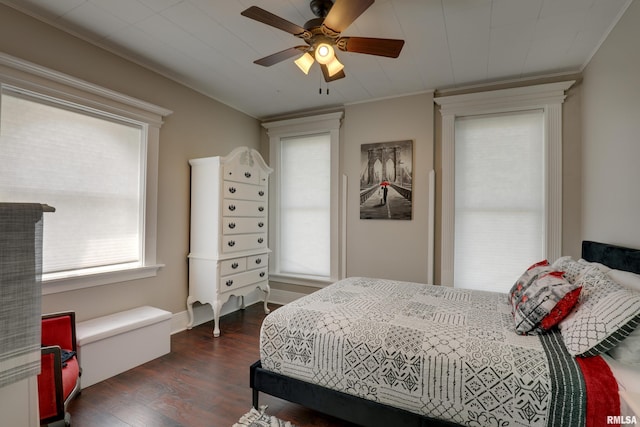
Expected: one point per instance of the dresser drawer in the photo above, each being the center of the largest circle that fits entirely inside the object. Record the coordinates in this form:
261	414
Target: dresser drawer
244	208
233	225
244	242
257	261
240	191
243	279
233	266
241	173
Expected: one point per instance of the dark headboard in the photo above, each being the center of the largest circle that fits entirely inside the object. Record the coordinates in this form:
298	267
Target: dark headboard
616	257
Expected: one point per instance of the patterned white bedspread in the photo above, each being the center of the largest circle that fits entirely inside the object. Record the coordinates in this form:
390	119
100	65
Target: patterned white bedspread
441	352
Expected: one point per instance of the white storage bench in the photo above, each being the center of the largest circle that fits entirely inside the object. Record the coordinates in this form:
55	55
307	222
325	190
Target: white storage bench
112	344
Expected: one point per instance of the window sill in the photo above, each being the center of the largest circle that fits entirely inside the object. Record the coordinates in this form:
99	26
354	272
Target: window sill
310	281
71	283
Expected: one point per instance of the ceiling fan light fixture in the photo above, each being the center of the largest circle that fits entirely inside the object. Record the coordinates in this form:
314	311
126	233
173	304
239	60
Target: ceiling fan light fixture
334	67
323	35
324	53
304	62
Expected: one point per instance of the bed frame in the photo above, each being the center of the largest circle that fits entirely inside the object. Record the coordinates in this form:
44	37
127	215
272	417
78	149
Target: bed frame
373	414
335	403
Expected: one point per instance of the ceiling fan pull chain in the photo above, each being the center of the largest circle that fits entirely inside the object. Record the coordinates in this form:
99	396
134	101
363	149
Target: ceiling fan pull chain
326	88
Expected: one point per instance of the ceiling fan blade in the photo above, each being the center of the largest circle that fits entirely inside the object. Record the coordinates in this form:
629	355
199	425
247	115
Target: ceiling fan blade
344	12
371	46
327	78
270	60
261	15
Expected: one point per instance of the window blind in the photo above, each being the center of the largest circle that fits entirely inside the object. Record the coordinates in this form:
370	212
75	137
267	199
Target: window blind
305	205
85	164
499	198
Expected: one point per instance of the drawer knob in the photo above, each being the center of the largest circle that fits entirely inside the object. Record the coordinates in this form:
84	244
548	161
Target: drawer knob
232	208
231	243
247	174
232	225
229	282
262	273
260	193
258	260
234	265
261	224
260	208
232	190
260	240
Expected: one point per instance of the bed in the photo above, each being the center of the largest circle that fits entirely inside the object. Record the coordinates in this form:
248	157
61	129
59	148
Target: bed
379	352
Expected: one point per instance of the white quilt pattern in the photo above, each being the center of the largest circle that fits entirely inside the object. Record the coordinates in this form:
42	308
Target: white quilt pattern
442	352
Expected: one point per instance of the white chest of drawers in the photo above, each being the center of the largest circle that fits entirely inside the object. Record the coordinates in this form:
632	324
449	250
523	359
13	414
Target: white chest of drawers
228	253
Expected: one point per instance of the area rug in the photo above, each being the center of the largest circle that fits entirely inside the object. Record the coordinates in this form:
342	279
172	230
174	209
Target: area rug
258	418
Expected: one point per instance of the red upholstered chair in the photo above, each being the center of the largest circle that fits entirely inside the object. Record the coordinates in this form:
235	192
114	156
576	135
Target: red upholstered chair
58	384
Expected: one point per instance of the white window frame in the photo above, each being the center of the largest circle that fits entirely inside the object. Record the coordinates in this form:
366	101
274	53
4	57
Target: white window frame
548	97
20	75
277	130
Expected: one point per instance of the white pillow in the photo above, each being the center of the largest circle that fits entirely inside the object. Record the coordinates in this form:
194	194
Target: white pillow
602	267
625	278
628	351
572	269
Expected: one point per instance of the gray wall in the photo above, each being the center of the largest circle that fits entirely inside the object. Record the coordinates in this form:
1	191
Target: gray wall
611	137
389	248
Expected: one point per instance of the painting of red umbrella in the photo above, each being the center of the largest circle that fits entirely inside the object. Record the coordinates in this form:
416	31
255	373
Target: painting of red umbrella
386	180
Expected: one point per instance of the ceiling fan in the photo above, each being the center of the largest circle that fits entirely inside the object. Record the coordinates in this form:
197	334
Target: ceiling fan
323	35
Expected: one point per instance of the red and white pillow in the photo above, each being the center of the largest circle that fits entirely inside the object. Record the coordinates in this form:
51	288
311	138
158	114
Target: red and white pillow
526	279
541	298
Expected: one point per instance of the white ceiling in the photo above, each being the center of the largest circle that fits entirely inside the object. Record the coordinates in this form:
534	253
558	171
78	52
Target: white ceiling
208	46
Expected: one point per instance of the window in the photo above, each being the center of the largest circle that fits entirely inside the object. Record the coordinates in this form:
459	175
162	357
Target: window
499	198
88	167
305	206
96	163
495	224
304	201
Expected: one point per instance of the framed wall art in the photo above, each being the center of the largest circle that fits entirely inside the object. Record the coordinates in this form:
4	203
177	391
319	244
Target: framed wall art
386	180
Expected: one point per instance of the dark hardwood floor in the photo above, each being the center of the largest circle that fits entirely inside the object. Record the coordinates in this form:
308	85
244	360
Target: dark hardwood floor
204	381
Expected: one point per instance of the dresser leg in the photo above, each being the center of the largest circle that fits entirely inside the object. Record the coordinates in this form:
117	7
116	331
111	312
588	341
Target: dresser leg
190	301
216	318
267	291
